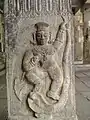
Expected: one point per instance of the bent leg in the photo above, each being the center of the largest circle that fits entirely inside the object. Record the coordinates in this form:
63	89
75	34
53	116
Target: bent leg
56	75
34	79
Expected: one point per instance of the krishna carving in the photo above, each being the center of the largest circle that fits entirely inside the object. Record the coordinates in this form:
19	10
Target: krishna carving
45	67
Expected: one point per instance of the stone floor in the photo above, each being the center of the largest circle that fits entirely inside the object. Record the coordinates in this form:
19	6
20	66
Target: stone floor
82	96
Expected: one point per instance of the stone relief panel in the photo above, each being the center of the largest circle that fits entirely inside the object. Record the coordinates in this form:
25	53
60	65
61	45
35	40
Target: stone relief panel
45	71
38	47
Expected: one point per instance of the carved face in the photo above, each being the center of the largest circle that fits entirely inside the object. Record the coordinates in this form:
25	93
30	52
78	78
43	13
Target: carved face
42	37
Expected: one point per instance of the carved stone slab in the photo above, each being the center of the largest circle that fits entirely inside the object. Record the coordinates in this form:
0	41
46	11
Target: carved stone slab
40	82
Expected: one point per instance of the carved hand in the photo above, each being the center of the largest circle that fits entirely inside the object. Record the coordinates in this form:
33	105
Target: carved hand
64	24
35	59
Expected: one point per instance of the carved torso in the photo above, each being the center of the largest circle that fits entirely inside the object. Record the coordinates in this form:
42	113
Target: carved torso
47	54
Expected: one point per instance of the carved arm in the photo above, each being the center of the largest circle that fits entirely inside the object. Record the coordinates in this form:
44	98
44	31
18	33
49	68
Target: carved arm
60	36
27	61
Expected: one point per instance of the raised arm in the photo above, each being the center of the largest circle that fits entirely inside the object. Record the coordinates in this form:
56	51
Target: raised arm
60	36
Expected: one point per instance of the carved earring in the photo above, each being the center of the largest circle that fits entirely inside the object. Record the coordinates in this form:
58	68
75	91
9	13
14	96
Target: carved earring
34	39
34	36
50	41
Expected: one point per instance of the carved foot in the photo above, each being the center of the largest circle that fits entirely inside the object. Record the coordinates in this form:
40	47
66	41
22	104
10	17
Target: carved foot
37	115
33	95
53	95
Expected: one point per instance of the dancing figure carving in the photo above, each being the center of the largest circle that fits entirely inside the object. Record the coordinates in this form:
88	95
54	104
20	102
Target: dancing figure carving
43	66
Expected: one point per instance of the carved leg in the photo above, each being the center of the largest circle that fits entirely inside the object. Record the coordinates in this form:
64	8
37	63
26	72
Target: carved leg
36	90
56	75
33	78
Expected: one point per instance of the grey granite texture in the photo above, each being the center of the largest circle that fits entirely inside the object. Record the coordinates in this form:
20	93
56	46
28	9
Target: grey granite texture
39	65
82	97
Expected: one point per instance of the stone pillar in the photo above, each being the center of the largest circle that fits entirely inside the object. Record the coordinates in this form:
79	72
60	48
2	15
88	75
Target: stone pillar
1	32
87	35
40	76
79	37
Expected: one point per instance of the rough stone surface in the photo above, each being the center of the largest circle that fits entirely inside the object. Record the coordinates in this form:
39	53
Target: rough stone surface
82	98
40	77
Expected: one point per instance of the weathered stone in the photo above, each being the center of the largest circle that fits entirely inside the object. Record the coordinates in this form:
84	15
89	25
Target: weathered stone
40	78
